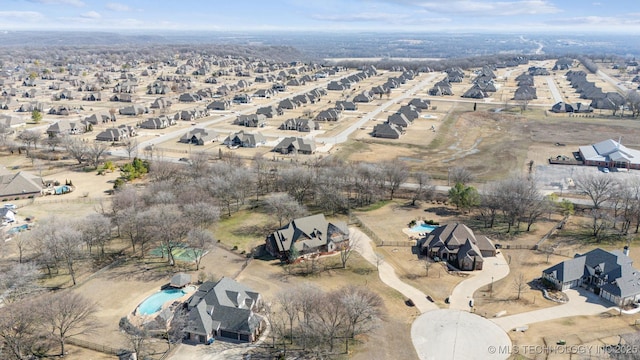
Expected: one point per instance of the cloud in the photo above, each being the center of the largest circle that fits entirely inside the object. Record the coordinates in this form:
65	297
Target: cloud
386	17
117	7
78	3
486	8
91	15
21	15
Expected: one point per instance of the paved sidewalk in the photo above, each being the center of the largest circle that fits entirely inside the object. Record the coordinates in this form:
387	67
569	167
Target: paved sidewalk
494	269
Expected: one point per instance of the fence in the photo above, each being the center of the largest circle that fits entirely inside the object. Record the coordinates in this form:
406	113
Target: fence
552	231
83	200
353	219
398	243
96	347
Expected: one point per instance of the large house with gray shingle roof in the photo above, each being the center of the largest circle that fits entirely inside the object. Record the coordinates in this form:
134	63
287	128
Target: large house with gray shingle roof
19	185
609	274
309	234
224	309
458	245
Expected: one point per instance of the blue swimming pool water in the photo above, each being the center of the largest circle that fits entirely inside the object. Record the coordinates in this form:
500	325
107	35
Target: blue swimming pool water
62	189
18	229
423	228
154	302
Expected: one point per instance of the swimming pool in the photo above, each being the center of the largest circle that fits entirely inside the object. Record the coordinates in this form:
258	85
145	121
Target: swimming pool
62	189
18	229
154	302
423	228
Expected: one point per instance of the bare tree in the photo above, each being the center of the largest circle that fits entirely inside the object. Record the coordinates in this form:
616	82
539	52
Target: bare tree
29	137
201	214
427	265
284	207
347	248
77	148
18	281
519	284
67	314
298	182
96	151
329	321
288	302
395	173
139	340
598	187
424	189
200	242
22	336
461	175
69	243
363	310
95	230
170	230
490	204
164	170
22	242
130	146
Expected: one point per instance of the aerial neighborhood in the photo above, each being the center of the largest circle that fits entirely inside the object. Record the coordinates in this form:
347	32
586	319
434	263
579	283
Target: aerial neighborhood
383	195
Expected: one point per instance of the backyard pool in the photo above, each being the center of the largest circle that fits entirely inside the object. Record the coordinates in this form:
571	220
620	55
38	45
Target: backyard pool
62	189
154	302
423	228
18	229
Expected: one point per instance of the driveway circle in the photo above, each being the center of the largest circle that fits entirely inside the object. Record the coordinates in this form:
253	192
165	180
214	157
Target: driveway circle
458	335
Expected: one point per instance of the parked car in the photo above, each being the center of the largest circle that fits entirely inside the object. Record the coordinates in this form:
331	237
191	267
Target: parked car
10	206
605	170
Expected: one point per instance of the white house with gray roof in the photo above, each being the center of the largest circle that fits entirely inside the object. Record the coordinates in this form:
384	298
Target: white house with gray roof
224	310
609	274
611	154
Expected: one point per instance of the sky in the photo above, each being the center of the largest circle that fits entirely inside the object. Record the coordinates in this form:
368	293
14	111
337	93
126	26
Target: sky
503	16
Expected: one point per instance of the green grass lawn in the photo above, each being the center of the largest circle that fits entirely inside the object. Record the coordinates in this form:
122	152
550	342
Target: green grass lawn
245	229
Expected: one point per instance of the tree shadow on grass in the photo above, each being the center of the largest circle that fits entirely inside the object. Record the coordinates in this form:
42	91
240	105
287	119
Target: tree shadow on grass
142	270
442	211
260	231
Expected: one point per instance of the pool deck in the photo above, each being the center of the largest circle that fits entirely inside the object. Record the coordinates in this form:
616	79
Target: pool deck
138	319
415	235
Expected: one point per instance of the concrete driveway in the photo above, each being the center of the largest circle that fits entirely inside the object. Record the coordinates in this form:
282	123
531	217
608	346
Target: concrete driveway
364	245
581	302
494	269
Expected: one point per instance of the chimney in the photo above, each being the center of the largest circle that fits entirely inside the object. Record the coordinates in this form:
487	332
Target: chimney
626	250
